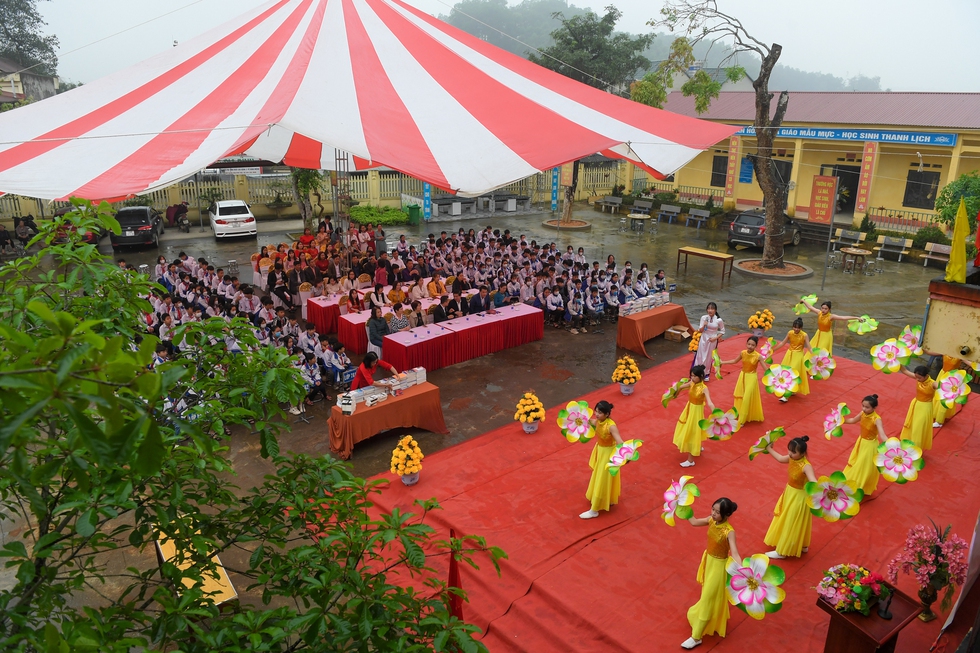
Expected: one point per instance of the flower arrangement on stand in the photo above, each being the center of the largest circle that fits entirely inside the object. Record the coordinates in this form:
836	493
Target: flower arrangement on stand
406	460
695	341
938	561
852	588
626	374
761	321
530	412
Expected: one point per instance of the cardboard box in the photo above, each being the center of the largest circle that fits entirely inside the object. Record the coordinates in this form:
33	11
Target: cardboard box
677	333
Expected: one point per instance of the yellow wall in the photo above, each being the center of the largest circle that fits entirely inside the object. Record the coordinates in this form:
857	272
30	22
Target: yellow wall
808	156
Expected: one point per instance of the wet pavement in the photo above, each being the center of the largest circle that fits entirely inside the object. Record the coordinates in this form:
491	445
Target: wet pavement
480	395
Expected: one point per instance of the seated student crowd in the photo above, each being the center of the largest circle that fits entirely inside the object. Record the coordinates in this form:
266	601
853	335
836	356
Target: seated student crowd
198	291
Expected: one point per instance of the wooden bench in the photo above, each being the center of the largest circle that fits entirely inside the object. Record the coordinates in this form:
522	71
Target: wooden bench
220	589
642	206
848	238
936	252
889	245
613	203
668	211
700	216
727	260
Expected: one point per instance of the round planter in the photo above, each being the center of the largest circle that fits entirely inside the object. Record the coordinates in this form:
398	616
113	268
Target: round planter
759	333
530	427
410	479
627	388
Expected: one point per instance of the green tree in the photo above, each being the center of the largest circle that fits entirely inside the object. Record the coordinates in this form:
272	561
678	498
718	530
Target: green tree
966	186
587	49
699	22
103	453
306	183
23	41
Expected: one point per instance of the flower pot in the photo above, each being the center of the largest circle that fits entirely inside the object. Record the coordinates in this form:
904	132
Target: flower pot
759	333
928	596
410	479
530	427
627	388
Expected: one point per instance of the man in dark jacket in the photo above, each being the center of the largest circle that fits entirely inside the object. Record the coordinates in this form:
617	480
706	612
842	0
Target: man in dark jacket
440	314
458	306
482	302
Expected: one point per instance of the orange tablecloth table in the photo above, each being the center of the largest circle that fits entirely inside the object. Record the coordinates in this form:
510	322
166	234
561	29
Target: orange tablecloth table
634	330
419	407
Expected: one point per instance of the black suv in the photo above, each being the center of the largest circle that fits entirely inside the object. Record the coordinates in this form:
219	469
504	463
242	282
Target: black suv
139	225
749	228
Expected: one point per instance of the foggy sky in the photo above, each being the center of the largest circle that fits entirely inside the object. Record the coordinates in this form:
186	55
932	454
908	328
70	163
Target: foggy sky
912	46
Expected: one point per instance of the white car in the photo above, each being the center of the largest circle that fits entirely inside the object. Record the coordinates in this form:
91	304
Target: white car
232	218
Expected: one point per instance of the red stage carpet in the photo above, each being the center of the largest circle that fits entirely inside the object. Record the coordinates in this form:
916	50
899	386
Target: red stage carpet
624	581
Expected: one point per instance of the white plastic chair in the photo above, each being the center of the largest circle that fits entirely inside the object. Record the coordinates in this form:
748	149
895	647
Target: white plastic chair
303	296
371	346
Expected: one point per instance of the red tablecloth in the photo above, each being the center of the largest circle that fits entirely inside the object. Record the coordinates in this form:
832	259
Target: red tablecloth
352	331
482	334
323	312
426	347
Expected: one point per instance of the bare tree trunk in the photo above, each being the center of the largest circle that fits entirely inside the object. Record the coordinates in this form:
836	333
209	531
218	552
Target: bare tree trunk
765	132
305	207
566	209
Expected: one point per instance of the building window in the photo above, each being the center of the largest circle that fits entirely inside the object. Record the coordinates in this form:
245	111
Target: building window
921	189
719	171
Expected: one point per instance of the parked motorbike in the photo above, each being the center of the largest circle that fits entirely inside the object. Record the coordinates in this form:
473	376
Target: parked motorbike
183	224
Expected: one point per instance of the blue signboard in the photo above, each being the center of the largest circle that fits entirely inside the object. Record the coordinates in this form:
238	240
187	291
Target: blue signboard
554	188
855	134
745	171
426	200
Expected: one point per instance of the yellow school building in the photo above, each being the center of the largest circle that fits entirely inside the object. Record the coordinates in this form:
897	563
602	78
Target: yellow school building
891	152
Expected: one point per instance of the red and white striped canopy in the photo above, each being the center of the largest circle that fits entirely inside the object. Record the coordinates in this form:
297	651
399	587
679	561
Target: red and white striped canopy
294	79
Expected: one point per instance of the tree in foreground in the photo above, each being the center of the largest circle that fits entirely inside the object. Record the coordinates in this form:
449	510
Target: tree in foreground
700	21
103	454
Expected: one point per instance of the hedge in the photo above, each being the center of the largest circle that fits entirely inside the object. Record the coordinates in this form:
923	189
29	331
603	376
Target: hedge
383	215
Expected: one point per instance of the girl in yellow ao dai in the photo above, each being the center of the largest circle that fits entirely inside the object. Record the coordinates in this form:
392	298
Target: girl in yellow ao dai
604	488
799	347
710	614
824	337
861	464
919	419
688	435
791	523
748	401
940	412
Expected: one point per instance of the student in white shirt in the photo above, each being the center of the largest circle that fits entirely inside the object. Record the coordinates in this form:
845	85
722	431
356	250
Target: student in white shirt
555	306
612	303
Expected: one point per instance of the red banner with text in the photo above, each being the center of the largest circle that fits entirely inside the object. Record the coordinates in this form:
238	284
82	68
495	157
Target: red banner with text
733	146
823	199
867	170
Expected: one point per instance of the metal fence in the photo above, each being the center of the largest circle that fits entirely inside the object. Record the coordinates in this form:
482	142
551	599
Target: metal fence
700	195
902	220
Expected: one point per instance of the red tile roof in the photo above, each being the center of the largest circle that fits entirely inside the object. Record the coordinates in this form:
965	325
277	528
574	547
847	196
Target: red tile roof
940	110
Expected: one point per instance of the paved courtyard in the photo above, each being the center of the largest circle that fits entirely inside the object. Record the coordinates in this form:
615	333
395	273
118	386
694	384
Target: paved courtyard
480	395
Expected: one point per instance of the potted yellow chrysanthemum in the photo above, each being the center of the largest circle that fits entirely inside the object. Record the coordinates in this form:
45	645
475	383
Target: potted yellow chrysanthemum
626	374
530	412
406	460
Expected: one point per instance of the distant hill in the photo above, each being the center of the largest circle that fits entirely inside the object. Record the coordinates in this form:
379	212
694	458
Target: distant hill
530	23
